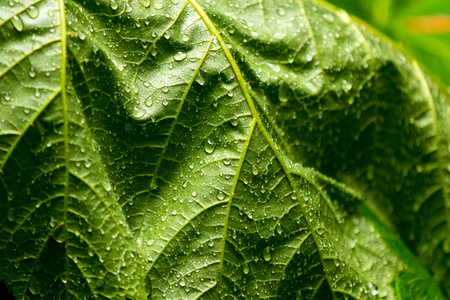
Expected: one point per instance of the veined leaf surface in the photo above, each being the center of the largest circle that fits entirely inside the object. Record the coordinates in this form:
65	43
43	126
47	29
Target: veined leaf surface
217	150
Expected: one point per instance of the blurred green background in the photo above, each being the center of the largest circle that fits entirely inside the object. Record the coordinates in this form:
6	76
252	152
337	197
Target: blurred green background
422	27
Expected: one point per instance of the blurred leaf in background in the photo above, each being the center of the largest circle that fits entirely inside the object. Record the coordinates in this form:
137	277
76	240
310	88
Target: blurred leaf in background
422	26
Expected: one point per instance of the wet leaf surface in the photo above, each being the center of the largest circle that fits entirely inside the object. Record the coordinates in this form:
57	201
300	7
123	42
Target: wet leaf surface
217	150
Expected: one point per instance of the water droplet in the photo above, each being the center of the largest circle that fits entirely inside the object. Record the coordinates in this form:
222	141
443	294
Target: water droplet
220	196
7	97
144	3
17	22
185	38
231	29
267	254
81	36
107	185
226	161
165	102
174	212
150	242
284	92
37	93
373	289
308	57
87	164
118	28
182	281
246	268
234	122
328	17
209	146
294	196
346	86
33	12
113	4
211	243
27	111
279	228
166	35
281	12
149	102
230	94
32	73
179	56
254	170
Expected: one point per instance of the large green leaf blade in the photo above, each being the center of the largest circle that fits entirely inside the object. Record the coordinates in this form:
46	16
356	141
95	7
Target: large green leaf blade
59	214
368	117
180	138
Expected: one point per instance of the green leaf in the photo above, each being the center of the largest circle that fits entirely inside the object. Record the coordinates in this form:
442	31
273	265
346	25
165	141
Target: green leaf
217	150
421	26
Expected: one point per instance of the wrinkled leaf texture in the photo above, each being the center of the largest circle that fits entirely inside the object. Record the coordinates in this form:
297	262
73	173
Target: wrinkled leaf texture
191	149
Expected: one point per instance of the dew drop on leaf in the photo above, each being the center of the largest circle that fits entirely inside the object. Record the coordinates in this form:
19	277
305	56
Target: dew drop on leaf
167	35
113	4
179	56
81	36
150	242
246	268
107	185
7	97
281	12
182	282
328	17
144	3
294	196
279	228
234	122
267	255
33	12
346	86
254	170
211	243
32	73
373	289
209	146
220	196
185	38
17	23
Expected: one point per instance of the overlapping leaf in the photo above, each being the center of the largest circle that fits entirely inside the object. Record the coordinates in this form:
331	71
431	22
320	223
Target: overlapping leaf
164	142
